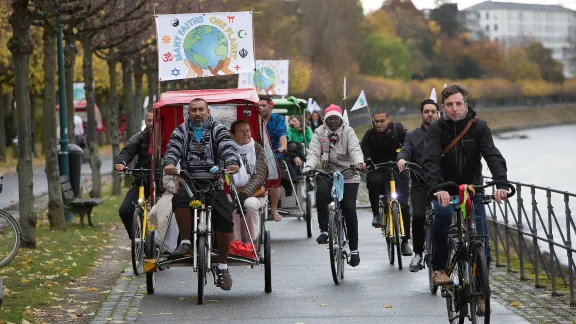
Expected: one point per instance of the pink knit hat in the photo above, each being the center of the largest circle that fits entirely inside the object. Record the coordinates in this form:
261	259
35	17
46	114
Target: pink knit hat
333	110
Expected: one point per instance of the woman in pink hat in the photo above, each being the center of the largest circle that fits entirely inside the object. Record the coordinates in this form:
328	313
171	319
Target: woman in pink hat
335	147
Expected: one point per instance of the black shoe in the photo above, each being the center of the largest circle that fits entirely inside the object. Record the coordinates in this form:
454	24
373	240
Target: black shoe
322	238
183	249
224	280
406	250
416	263
355	259
377	221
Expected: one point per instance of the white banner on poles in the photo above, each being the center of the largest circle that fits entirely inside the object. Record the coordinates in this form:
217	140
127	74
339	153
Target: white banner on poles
270	77
198	45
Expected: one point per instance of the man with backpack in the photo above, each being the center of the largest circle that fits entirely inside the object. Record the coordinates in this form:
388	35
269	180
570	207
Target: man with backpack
382	144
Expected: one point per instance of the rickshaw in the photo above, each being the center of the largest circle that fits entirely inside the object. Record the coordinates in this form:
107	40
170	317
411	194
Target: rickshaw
299	204
226	106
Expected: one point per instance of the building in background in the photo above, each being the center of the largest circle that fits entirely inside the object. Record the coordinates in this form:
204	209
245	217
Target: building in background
516	24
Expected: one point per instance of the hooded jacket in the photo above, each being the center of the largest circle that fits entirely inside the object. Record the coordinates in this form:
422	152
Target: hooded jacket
462	164
345	152
214	148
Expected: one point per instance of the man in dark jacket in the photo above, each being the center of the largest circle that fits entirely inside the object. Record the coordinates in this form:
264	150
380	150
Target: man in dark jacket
461	164
138	145
382	144
412	151
197	145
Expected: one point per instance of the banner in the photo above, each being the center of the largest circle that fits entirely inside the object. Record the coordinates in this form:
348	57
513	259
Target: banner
79	92
204	45
270	77
361	102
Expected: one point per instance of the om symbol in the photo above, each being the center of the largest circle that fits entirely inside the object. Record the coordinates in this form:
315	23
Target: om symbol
168	57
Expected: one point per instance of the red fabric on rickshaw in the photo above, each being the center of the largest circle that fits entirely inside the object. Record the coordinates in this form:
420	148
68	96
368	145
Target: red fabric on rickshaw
242	249
212	96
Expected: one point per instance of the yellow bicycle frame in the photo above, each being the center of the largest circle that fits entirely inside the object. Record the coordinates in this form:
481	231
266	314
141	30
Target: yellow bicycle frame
146	226
389	219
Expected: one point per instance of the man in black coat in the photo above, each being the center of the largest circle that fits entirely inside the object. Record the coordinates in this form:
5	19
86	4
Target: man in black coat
461	164
138	145
412	151
381	144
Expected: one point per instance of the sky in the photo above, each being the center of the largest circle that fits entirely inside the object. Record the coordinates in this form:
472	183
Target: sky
370	5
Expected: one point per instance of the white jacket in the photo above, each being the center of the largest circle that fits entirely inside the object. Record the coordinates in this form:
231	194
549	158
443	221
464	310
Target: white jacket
345	152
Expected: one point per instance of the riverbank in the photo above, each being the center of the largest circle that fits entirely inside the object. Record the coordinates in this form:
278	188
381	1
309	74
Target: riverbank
506	119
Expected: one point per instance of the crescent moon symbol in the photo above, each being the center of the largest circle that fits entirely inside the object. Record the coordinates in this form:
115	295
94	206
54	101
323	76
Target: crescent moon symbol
240	32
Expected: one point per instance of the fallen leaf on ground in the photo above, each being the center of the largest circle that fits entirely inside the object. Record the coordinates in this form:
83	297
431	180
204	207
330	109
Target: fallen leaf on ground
322	304
515	304
387	306
92	289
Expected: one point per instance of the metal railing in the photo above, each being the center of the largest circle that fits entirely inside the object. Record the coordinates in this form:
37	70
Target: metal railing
521	228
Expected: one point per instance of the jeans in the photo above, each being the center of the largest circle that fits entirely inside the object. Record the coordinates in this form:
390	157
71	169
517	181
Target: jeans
420	202
348	205
378	182
442	221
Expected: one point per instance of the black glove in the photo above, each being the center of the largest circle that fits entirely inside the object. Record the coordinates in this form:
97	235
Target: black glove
242	196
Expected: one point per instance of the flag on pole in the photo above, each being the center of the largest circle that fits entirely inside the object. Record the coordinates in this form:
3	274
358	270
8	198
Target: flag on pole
196	45
433	96
310	108
444	85
345	117
344	88
361	102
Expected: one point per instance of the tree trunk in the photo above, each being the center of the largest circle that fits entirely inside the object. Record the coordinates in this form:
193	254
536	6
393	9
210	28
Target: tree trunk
50	141
138	101
127	103
21	47
4	106
70	52
33	110
88	72
152	84
113	122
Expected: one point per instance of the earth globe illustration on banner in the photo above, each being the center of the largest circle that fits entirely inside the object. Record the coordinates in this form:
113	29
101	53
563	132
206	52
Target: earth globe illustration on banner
79	95
206	48
265	80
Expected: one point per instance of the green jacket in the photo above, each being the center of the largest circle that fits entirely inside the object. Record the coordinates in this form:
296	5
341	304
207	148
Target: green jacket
297	136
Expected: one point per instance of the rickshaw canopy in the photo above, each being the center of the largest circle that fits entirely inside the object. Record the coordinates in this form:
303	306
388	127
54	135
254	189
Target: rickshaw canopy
290	106
212	96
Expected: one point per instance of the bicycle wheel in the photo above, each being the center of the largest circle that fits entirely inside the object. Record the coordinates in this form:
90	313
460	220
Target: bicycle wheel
151	254
10	237
479	286
386	234
428	258
453	294
137	246
397	233
309	213
342	245
267	262
333	246
201	268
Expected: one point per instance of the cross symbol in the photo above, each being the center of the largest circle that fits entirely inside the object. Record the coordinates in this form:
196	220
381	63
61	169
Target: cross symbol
237	67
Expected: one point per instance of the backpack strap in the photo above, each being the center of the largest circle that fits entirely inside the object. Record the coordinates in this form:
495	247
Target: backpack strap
459	137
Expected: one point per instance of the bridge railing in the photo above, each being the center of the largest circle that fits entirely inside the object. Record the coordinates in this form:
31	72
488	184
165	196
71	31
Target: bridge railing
530	228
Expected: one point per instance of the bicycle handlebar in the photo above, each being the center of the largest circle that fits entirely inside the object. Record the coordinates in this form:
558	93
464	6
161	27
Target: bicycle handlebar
128	170
453	188
315	172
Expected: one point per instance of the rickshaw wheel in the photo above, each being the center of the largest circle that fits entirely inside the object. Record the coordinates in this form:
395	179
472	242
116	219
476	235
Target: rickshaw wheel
267	262
137	246
151	276
201	269
309	213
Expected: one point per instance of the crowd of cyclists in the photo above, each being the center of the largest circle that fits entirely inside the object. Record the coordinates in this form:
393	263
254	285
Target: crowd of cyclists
448	145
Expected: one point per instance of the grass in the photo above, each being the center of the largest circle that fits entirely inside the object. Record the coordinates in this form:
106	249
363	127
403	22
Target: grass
36	277
8	164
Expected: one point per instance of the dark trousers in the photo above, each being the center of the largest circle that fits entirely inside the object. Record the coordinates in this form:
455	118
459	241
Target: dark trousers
420	201
127	208
378	183
441	225
348	205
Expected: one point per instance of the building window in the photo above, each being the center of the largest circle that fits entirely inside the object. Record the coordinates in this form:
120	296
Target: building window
495	27
487	15
487	28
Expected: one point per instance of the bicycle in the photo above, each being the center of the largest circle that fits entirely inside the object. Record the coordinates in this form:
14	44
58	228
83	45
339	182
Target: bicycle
467	260
428	220
141	227
10	239
337	235
391	214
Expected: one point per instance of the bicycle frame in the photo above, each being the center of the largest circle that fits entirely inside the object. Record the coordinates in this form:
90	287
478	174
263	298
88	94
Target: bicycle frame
142	202
389	219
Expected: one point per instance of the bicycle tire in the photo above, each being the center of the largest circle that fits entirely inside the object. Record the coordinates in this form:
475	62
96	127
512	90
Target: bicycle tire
267	262
332	246
450	294
341	244
137	246
385	233
397	233
7	219
309	214
152	254
479	285
428	241
201	268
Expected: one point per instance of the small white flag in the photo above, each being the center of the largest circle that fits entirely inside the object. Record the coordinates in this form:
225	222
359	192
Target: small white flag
433	96
361	102
345	117
444	85
344	88
310	107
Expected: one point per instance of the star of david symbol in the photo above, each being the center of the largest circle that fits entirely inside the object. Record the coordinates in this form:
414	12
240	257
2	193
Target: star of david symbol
175	72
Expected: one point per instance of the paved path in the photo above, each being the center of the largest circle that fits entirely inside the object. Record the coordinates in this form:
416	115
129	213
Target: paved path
9	195
303	290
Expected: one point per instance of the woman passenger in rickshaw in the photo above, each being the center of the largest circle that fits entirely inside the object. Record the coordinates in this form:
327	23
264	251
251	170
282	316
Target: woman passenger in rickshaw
249	181
295	133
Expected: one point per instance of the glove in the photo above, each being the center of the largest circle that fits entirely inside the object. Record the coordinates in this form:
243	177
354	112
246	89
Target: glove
306	171
242	196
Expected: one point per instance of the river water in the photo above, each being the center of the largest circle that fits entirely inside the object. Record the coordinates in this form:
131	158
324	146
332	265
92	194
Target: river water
543	157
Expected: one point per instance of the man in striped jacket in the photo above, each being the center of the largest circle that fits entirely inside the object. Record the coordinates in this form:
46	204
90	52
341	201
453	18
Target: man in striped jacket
198	144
